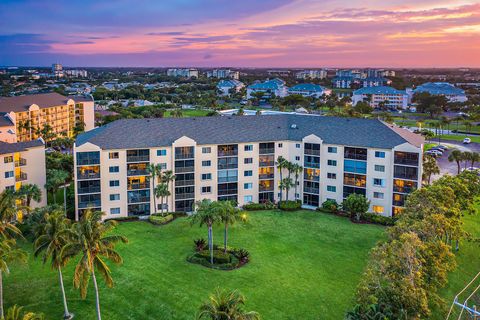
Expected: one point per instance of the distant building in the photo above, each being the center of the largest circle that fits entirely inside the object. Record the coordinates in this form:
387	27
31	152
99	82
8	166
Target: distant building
311	74
309	90
223	74
270	87
225	86
23	163
57	70
387	73
76	73
279	72
374	96
186	73
346	79
452	93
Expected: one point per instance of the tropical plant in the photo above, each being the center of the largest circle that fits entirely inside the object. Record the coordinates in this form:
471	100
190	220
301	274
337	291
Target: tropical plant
457	156
161	191
228	215
55	179
16	313
8	212
8	253
286	184
297	170
226	305
167	177
430	167
281	164
90	239
206	214
356	205
49	245
155	170
200	244
30	192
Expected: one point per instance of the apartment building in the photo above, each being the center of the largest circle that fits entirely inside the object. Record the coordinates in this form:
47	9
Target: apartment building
233	158
311	74
22	116
452	93
223	74
271	87
23	163
309	90
225	87
187	73
376	96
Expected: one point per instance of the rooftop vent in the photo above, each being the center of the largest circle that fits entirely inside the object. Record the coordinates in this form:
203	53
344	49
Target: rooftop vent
294	126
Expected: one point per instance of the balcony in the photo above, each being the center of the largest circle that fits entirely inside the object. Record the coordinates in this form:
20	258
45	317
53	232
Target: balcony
145	158
89	204
266	176
312	165
138	186
311	190
230	153
184	169
138	199
21	162
267	163
88	190
407	162
138	172
227	179
88	175
180	183
262	188
183	156
405	189
182	196
266	151
312	152
311	177
21	177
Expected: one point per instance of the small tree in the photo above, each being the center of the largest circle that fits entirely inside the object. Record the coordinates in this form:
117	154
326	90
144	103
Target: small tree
430	167
356	205
225	305
206	214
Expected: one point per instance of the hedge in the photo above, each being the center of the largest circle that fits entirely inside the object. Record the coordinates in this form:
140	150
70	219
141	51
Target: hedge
290	205
124	219
159	220
258	206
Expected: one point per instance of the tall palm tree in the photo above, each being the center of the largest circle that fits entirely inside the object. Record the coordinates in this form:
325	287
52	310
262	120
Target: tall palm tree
474	157
466	157
155	171
16	313
286	184
8	253
289	167
430	167
161	191
55	179
90	239
8	212
457	156
226	305
206	214
297	170
50	243
229	214
281	163
167	177
30	192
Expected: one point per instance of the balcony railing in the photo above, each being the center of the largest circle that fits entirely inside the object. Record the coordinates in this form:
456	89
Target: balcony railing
266	151
407	162
267	163
138	158
182	196
88	175
227	166
398	203
183	156
179	183
89	190
21	177
266	176
311	177
137	172
20	163
227	179
311	190
312	165
138	199
89	204
137	186
265	188
403	189
184	169
312	152
401	175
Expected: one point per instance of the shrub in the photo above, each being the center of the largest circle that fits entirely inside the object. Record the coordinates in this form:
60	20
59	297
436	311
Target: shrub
242	255
219	257
378	219
200	244
331	205
124	219
356	205
159	220
290	205
259	206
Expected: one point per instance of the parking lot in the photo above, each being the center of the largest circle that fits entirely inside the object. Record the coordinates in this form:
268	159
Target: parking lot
451	167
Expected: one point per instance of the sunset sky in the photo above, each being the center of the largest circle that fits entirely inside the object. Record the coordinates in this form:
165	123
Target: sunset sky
246	33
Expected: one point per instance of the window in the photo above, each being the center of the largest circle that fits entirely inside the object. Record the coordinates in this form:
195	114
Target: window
114	183
114	210
248	173
332	163
379	168
332	149
355	166
247	199
161	152
248	160
379	154
11	188
8	159
114	169
207	189
206	150
9	174
247	186
206	163
297	158
206	176
163	166
378	209
248	147
378	195
280	145
378	182
331	188
114	197
113	155
331	175
297	145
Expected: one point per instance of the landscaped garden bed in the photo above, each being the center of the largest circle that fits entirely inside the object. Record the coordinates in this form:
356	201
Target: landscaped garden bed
232	259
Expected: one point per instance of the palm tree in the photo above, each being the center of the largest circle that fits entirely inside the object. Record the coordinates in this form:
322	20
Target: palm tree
167	177
89	238
155	171
281	164
177	113
226	305
289	167
297	170
466	157
30	192
8	212
161	191
474	157
55	179
206	214
430	167
229	214
8	253
16	313
50	243
457	156
286	184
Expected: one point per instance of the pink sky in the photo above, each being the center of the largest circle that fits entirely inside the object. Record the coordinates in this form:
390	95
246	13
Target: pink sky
282	33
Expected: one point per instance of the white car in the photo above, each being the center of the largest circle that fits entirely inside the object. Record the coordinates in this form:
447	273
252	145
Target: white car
467	140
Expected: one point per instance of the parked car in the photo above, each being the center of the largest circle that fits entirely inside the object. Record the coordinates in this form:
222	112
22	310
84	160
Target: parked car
434	153
467	140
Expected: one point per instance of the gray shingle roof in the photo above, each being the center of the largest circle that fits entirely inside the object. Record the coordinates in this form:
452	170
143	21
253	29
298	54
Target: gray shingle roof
22	103
6	148
149	133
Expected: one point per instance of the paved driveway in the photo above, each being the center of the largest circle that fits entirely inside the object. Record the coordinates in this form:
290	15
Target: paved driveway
451	167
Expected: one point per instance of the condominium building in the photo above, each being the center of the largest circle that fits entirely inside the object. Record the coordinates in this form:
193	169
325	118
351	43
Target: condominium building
223	74
311	74
390	97
225	87
233	158
452	93
186	73
268	88
309	90
22	116
23	163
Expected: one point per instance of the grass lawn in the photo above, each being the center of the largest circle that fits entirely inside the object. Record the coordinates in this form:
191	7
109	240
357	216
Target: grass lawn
190	113
459	137
304	265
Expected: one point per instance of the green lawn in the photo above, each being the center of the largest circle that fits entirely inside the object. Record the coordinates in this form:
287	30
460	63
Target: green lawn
304	265
190	113
459	137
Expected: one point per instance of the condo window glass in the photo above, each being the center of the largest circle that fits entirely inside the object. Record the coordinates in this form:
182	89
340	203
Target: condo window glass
332	149
247	186
248	173
114	197
378	209
248	147
378	182
332	163
206	150
207	189
379	168
9	174
206	176
332	188
248	160
247	199
8	159
331	175
280	145
206	163
88	158
113	155
114	183
114	210
297	158
297	145
162	152
379	154
114	169
378	195
355	166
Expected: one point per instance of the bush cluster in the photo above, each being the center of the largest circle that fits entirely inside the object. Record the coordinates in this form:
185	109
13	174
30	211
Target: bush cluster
259	206
378	219
290	205
203	258
122	219
159	220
